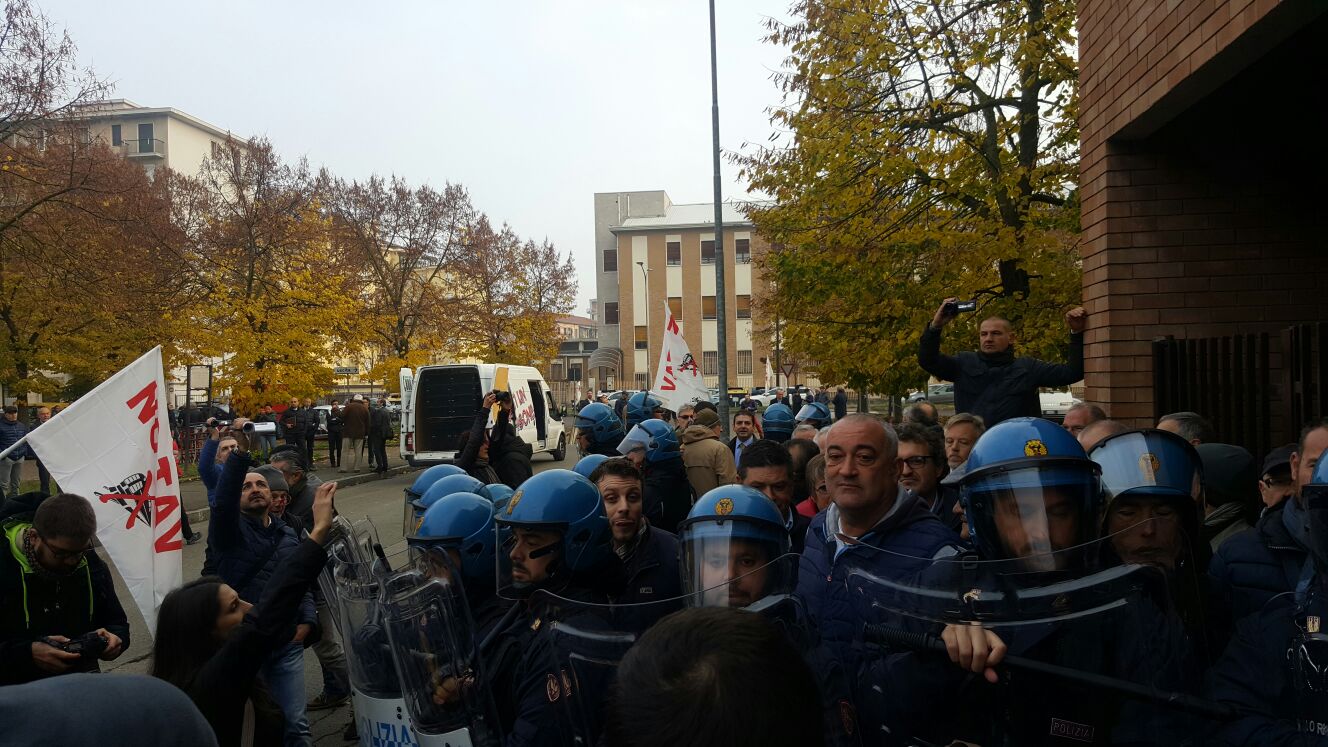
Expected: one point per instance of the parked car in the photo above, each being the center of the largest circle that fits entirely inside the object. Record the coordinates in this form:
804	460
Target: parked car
1055	403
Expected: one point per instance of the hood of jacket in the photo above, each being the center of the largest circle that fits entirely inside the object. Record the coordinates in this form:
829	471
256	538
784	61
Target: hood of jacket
19	505
696	433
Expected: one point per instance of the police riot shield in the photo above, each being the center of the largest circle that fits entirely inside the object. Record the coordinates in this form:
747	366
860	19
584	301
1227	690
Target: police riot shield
348	542
1096	651
435	650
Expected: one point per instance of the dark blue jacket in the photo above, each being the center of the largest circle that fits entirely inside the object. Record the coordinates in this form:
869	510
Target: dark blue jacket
666	494
651	578
11	433
912	535
208	469
1253	677
1255	565
238	541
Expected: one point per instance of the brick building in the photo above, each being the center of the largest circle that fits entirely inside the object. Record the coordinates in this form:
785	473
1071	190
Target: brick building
1202	154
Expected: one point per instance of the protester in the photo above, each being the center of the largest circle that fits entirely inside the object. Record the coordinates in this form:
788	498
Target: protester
1231	491
768	469
684	418
168	718
310	416
922	413
354	429
1190	426
267	441
336	420
800	451
991	382
480	453
216	450
1276	483
804	432
43	476
841	403
650	588
818	495
508	453
1095	432
293	423
708	461
961	431
587	399
1081	415
55	589
380	430
688	675
11	467
213	643
248	547
922	466
1258	564
744	433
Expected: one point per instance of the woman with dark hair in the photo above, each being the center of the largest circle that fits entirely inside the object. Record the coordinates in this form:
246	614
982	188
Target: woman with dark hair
212	644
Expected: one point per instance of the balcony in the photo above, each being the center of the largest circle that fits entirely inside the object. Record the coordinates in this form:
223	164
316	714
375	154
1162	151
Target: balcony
153	148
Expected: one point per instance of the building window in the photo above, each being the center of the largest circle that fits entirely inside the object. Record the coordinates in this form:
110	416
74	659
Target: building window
610	260
708	252
710	363
116	137
708	307
744	310
642	342
675	305
642	383
744	362
556	371
611	312
742	251
673	253
574	372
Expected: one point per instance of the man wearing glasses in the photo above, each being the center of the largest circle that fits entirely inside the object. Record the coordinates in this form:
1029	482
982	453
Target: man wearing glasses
921	467
55	590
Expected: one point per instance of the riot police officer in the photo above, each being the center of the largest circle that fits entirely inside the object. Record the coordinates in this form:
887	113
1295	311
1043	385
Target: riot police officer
586	465
423	482
814	414
777	422
461	525
456	483
653	447
598	430
641	407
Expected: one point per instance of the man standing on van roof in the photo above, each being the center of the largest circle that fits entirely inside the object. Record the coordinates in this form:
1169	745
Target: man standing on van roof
991	382
354	429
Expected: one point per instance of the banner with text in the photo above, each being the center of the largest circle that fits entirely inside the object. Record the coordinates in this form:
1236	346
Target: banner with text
678	379
113	446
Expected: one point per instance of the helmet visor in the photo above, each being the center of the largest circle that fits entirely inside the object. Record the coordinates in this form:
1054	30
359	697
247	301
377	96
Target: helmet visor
735	563
1144	463
1032	515
638	439
810	412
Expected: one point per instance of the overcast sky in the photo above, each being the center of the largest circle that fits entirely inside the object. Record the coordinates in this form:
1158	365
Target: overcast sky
533	106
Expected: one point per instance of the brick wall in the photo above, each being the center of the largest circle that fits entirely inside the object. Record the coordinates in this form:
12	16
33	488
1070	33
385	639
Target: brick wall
1198	180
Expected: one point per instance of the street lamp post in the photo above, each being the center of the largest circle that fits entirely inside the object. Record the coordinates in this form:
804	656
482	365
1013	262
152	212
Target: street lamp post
645	272
722	332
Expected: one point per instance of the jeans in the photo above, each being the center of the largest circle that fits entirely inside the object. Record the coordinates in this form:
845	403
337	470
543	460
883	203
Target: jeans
269	442
10	471
332	659
284	674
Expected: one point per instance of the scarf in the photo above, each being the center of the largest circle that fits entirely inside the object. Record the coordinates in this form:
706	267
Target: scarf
629	548
1003	358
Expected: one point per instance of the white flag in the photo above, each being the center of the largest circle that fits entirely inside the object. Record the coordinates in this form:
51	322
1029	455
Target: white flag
678	379
769	375
113	446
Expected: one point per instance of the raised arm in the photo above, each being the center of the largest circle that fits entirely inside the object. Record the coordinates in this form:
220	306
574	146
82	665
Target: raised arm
224	528
1065	374
466	459
930	357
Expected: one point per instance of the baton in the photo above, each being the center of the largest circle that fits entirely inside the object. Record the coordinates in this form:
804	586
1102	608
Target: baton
888	634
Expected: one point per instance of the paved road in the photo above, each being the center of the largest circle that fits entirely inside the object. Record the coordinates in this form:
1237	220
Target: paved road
381	502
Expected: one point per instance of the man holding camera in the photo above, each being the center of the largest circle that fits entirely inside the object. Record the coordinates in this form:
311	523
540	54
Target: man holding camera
60	613
991	382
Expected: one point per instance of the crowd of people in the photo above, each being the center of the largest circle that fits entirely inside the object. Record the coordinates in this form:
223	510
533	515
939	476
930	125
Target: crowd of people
819	578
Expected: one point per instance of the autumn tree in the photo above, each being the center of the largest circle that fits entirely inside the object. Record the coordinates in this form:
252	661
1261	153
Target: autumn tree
510	294
280	302
925	142
405	242
84	285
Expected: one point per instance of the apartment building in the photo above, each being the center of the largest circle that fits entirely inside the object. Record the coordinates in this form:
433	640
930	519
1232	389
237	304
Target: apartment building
569	373
650	252
153	136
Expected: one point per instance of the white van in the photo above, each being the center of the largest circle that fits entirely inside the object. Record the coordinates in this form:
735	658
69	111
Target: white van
438	404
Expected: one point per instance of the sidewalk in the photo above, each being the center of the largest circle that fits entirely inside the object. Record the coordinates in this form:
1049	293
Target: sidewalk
194	495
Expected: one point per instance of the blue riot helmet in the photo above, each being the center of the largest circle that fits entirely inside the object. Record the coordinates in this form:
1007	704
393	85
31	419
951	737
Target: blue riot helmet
422	483
654	437
597	422
814	413
734	549
462	483
641	407
1152	478
566	504
499	494
462	524
1031	495
587	464
1315	497
777	422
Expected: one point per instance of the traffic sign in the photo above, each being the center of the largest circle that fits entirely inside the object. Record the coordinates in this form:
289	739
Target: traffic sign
345	370
788	369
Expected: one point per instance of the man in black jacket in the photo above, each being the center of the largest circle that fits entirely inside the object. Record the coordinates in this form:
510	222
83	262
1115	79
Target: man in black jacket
380	429
53	585
649	555
991	382
766	466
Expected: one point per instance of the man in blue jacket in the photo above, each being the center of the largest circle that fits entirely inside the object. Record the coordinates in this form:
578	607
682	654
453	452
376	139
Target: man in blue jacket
11	430
649	555
991	382
247	546
1269	559
872	523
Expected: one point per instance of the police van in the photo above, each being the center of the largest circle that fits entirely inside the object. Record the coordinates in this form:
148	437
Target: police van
438	404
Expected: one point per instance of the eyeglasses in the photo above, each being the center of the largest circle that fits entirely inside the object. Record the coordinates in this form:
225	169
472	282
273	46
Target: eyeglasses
1276	482
916	462
60	553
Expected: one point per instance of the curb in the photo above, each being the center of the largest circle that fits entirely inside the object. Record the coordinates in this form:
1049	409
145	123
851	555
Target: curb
203	514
